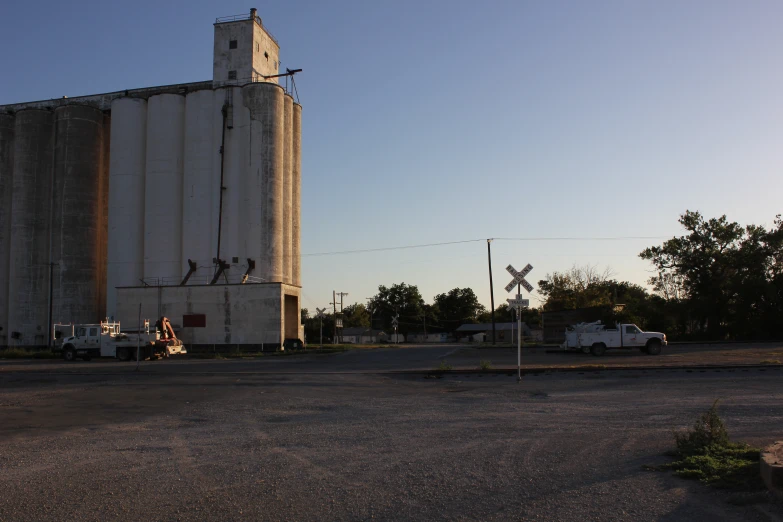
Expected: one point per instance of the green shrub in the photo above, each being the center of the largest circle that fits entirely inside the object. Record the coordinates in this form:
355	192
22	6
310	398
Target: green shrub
443	367
705	453
485	365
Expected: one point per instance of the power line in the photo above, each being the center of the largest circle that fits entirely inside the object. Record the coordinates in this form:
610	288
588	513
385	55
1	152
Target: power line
425	245
383	249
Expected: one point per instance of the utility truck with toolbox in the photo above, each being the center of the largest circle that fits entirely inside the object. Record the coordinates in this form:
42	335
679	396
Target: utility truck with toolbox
595	338
106	340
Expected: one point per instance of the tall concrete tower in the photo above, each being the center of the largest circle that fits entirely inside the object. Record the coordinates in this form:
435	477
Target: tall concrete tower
244	51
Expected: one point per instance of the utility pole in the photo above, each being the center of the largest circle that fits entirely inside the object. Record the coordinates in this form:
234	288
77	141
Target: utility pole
334	304
369	307
341	294
491	291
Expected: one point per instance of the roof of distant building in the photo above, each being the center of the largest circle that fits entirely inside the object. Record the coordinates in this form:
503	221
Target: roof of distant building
483	327
358	330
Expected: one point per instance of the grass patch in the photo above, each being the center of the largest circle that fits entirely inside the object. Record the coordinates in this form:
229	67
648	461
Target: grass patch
770	361
443	367
705	453
485	365
21	353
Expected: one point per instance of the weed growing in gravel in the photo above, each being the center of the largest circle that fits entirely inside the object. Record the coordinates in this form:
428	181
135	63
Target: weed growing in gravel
485	365
443	367
705	453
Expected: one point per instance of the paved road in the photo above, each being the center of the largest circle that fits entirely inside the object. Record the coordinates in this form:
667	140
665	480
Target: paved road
421	357
360	446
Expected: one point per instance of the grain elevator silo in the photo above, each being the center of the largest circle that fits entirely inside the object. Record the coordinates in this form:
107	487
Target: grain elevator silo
182	199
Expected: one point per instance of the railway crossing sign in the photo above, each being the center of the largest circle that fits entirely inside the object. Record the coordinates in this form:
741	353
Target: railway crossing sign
320	313
519	278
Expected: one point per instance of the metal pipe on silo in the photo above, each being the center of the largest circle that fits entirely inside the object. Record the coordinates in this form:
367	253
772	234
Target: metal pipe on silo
77	212
6	185
127	168
296	192
198	190
28	285
232	128
288	143
264	234
163	187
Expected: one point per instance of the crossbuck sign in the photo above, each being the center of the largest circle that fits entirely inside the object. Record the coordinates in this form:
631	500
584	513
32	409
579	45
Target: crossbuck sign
519	278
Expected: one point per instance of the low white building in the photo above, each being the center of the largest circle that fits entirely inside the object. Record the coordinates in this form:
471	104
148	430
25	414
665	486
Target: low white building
360	335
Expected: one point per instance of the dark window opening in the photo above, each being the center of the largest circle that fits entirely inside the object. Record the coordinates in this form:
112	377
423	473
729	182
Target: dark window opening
232	44
232	75
266	55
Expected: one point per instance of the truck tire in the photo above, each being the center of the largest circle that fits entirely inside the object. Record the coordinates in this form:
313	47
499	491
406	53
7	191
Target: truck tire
123	354
654	347
585	350
598	349
69	353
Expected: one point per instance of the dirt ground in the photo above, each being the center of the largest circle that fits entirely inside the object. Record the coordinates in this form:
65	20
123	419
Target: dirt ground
344	446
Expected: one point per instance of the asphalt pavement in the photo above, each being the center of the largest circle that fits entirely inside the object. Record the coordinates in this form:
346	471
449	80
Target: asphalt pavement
356	445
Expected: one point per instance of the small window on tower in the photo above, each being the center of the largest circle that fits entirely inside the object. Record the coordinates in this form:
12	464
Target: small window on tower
232	44
266	55
258	47
232	75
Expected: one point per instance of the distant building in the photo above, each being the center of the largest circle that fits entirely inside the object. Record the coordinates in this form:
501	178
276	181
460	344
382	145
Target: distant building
504	332
360	335
438	337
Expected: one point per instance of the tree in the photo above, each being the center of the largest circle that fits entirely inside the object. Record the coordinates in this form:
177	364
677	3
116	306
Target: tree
356	315
403	299
457	307
579	287
729	275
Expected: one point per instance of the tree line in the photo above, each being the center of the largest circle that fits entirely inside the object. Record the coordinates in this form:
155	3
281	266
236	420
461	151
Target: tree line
717	281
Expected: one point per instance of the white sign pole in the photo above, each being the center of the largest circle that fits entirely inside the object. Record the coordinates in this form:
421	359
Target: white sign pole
519	344
519	304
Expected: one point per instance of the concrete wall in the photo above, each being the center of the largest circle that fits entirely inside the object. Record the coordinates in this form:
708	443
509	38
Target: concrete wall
247	315
28	288
78	218
127	163
255	56
6	185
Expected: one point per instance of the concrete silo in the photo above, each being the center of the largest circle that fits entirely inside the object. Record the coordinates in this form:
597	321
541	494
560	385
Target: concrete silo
200	185
6	184
127	164
296	196
163	188
77	233
113	193
264	181
288	143
28	292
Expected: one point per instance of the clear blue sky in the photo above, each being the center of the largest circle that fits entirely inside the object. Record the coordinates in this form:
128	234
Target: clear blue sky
449	120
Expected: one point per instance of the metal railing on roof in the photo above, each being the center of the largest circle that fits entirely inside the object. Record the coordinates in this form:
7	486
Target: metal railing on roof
240	17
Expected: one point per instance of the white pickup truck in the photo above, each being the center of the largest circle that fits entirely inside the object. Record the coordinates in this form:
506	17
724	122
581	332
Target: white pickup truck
106	340
595	338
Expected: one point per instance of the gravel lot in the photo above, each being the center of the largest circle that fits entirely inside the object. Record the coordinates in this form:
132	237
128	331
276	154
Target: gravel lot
359	447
